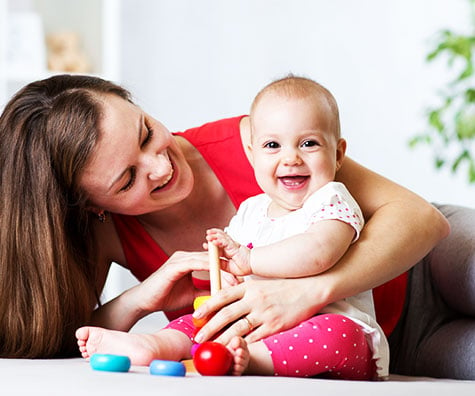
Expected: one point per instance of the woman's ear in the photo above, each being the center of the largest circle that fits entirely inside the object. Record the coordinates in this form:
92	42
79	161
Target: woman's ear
340	152
100	213
94	209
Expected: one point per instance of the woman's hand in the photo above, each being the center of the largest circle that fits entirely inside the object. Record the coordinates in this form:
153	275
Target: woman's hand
169	288
268	306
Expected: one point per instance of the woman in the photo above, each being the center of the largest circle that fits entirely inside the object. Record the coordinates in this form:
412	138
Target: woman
75	149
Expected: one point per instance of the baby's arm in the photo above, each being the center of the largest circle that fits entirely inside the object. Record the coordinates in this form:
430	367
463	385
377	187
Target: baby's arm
308	253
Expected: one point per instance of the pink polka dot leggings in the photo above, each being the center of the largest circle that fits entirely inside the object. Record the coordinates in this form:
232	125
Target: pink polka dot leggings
327	345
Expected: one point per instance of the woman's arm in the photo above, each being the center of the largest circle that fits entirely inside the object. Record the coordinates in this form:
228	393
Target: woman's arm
169	288
401	228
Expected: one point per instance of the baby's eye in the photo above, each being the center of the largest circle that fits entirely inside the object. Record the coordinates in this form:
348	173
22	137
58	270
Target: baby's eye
272	145
310	143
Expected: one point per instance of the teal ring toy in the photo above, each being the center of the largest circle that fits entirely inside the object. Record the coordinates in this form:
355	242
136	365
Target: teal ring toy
106	362
167	367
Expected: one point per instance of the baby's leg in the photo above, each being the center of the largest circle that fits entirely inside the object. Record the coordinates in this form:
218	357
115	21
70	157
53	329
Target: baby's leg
250	359
330	345
171	343
140	348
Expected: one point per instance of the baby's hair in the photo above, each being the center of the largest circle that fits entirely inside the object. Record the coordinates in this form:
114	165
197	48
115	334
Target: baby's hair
300	87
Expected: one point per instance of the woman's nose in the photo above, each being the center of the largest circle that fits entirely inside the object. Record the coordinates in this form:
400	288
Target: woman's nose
157	166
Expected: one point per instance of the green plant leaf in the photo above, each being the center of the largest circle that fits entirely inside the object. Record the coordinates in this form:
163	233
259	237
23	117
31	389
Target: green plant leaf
452	125
470	95
465	123
439	162
435	120
418	139
465	155
471	171
445	36
467	72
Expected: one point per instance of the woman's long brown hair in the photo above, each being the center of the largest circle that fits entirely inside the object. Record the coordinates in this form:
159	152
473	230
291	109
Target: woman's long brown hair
48	284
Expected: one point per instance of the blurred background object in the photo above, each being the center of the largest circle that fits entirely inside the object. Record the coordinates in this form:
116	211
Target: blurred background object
41	37
450	130
25	37
65	53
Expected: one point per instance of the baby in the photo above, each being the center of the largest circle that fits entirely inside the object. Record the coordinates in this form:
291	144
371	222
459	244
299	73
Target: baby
300	226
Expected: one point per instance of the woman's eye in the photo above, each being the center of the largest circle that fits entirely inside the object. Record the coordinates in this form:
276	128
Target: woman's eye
148	136
272	145
130	182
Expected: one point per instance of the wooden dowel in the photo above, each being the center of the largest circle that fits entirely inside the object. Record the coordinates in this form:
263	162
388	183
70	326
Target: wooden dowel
214	268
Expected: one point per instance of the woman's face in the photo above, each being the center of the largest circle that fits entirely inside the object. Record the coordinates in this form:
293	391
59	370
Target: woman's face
137	166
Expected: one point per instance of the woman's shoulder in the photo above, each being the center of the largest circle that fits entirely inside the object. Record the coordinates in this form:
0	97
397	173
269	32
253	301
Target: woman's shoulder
212	132
221	145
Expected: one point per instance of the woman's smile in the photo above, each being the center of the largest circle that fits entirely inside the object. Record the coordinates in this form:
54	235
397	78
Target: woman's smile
166	180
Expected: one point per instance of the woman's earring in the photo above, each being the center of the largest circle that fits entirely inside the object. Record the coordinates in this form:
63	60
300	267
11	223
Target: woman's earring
101	216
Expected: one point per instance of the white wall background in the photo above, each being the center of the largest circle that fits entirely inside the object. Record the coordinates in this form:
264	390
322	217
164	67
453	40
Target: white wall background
188	62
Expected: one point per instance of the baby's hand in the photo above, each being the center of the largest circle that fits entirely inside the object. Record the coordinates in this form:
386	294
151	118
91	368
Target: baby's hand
238	256
228	279
224	241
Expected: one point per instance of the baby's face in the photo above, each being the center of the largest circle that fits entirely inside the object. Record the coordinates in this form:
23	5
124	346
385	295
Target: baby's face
294	149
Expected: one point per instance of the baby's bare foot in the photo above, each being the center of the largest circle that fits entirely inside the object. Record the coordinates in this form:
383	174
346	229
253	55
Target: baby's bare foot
140	348
240	351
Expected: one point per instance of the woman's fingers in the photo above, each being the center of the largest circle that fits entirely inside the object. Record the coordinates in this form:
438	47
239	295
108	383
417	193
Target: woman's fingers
181	263
270	306
170	287
228	279
227	311
223	298
224	308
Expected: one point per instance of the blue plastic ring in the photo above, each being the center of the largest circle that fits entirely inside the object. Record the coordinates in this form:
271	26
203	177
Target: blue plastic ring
106	362
167	367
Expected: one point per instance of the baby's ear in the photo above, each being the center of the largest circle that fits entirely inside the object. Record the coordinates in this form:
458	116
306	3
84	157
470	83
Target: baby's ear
245	128
340	152
250	155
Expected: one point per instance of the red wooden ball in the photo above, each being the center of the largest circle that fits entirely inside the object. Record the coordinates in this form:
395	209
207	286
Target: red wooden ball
212	358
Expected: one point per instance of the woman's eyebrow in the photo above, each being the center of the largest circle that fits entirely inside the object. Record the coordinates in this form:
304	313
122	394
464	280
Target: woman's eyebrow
139	129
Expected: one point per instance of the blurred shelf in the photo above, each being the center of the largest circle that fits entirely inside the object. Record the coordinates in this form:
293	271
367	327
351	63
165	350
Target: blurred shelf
25	25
